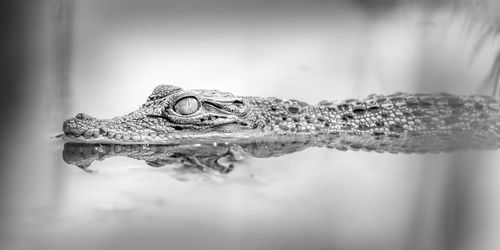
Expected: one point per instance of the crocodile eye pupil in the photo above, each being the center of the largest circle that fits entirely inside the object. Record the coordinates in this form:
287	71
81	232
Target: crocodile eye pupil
187	106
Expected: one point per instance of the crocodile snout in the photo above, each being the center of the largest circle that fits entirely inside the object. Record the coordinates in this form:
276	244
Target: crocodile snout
81	125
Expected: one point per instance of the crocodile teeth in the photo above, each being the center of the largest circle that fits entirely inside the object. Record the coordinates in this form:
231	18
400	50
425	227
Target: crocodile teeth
88	134
126	137
103	132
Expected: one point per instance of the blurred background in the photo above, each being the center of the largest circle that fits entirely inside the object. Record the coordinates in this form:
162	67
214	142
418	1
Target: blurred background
61	57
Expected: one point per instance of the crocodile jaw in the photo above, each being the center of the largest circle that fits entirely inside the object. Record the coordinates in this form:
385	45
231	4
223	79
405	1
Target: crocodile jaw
141	129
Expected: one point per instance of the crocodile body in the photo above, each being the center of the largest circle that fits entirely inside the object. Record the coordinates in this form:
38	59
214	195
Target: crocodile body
394	123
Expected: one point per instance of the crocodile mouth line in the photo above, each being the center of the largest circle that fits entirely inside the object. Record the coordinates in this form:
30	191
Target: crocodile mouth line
170	139
108	138
99	135
125	139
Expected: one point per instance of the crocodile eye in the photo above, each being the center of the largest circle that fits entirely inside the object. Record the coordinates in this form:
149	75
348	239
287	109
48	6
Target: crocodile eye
187	105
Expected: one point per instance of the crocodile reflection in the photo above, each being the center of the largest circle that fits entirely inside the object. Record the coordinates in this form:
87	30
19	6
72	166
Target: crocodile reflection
208	154
203	156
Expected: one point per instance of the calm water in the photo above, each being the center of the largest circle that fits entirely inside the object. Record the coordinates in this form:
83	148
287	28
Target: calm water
317	198
314	199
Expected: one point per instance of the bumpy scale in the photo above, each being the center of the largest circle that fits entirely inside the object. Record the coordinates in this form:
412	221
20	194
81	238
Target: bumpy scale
395	123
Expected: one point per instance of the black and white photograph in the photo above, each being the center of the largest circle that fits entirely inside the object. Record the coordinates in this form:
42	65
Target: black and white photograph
250	125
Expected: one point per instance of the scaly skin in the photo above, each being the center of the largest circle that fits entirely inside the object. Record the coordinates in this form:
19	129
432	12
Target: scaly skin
394	123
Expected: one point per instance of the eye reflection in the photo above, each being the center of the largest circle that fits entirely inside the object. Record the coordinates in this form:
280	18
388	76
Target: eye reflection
187	105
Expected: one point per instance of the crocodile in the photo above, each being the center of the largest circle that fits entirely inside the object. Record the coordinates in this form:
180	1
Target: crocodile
399	122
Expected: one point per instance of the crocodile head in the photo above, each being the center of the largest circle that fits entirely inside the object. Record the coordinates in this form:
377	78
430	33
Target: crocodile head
170	114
